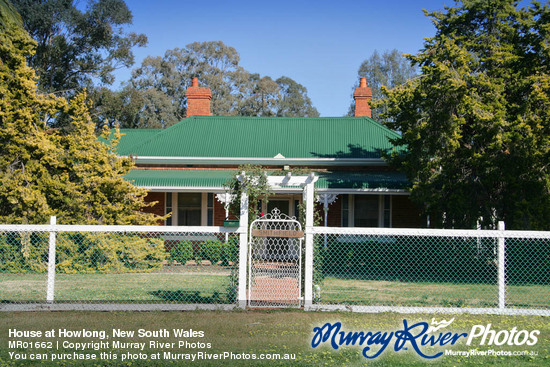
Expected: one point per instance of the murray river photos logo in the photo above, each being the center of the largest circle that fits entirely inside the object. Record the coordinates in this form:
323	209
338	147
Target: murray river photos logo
417	336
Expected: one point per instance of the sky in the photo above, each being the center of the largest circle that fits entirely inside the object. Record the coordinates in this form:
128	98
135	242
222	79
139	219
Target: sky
320	44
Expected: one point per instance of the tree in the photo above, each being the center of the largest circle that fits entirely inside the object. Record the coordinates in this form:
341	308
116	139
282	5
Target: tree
294	101
159	88
390	69
476	122
44	172
9	15
74	47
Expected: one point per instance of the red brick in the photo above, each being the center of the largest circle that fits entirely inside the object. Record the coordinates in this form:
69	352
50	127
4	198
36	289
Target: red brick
362	96
198	100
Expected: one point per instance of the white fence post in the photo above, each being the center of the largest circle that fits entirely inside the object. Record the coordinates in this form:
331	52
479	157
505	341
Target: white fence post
501	267
308	276
51	263
243	249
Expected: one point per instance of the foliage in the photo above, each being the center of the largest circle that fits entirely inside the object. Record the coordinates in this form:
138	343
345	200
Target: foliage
44	172
23	252
390	69
477	120
81	253
107	253
76	47
156	95
294	101
9	15
429	259
231	251
253	181
212	251
182	252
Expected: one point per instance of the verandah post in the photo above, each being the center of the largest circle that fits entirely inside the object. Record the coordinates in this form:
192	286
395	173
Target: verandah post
50	290
308	276
243	249
501	266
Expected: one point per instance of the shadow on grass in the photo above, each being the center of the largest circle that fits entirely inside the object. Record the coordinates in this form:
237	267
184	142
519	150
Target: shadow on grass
189	297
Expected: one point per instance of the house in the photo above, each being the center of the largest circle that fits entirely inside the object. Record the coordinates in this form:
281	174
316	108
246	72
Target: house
186	165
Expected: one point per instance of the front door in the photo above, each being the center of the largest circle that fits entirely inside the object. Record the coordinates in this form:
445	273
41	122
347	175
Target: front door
282	205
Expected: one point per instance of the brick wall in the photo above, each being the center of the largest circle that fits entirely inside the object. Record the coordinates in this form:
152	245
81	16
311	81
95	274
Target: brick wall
158	208
334	217
219	213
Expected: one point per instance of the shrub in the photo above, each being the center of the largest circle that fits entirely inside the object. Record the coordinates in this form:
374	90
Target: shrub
211	250
24	252
231	251
182	252
108	252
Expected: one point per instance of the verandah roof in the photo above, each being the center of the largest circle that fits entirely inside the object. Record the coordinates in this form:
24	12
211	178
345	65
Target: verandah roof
215	179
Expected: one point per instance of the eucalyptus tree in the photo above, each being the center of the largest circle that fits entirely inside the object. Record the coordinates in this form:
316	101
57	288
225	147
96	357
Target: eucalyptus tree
159	87
78	48
389	69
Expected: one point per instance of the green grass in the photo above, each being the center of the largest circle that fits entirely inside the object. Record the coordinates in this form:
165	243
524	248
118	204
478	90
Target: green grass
209	284
195	285
275	332
395	293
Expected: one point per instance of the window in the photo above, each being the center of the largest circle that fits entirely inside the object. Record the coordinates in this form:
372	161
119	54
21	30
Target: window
189	209
210	209
366	211
345	210
168	209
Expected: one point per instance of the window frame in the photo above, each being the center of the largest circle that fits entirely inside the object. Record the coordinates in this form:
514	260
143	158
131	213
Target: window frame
205	208
382	209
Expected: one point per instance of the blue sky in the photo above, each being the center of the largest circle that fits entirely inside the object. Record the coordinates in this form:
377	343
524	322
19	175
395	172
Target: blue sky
320	44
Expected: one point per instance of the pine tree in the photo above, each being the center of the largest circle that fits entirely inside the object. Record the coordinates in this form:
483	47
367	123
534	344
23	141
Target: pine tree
43	172
476	121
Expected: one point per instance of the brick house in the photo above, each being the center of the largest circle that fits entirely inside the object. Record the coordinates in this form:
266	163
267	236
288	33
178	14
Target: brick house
186	165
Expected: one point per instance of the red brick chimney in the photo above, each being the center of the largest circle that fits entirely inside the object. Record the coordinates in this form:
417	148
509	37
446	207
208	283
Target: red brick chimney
362	96
198	99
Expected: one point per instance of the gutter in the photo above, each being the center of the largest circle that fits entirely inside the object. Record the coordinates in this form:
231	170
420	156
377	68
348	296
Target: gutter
330	162
277	190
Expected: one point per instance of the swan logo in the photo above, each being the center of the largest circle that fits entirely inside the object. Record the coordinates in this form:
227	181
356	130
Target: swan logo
439	325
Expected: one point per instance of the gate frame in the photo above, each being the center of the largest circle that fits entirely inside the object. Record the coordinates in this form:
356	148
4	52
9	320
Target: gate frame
308	184
276	217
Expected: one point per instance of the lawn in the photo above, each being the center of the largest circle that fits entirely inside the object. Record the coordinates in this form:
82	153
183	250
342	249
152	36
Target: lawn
263	331
194	284
396	293
210	284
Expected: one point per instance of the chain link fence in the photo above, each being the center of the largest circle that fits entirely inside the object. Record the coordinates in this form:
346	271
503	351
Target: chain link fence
57	267
431	270
99	265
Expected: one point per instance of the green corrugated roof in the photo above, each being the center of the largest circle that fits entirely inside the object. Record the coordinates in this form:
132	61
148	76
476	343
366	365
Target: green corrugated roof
263	137
131	137
180	178
217	178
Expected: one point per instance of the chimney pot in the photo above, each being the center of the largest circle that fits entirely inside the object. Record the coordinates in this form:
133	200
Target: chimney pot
195	82
363	83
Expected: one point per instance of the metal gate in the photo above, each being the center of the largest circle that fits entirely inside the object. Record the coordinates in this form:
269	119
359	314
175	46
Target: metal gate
275	261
